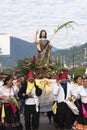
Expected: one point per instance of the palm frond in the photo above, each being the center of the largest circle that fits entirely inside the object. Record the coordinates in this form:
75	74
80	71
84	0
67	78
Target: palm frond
66	24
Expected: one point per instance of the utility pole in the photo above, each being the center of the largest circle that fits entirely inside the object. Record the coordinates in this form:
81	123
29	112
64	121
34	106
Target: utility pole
64	60
61	61
73	57
85	54
73	60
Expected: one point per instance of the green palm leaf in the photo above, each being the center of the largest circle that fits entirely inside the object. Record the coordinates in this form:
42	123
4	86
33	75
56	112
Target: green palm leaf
64	25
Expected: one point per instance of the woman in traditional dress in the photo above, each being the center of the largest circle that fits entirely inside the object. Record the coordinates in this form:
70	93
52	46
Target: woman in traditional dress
81	123
78	83
9	113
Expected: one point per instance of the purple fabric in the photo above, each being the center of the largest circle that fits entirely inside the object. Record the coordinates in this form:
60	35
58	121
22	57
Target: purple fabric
84	111
14	109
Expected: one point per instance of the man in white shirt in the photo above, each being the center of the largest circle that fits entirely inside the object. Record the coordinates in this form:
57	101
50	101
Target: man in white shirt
62	92
31	92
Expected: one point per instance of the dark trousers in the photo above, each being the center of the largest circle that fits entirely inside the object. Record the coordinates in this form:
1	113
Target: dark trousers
31	117
50	115
22	103
64	116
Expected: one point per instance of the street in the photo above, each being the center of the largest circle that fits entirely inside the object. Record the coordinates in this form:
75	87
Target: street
44	123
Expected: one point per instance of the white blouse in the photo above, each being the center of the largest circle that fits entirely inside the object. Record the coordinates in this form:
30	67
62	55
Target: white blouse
82	93
8	92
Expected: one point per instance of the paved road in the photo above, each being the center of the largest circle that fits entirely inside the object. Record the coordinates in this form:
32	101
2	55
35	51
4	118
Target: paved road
44	123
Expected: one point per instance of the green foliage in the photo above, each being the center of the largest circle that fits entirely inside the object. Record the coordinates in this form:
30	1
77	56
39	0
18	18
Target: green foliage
42	69
79	70
38	66
22	66
8	71
60	69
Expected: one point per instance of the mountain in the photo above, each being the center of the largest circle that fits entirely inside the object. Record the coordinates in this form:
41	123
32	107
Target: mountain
75	55
19	49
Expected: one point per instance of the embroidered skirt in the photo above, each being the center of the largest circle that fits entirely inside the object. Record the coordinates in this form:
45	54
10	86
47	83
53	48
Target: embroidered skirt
11	120
81	121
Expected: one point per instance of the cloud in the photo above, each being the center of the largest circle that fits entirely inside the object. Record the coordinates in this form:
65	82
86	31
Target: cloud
22	18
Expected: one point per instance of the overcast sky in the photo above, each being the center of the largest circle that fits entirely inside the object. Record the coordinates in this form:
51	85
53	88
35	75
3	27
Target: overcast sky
21	18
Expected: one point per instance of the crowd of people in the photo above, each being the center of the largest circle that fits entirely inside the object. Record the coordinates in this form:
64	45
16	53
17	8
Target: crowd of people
25	93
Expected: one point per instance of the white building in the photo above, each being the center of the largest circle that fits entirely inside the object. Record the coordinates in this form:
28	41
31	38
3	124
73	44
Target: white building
4	44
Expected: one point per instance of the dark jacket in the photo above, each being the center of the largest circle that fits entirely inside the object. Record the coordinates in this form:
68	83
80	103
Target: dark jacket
23	90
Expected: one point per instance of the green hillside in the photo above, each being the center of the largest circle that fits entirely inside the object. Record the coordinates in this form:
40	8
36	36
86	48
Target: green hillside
75	55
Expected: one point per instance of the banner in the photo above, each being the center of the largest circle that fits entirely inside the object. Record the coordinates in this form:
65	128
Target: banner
47	98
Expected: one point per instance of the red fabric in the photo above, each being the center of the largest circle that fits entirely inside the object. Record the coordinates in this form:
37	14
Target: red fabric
64	75
14	109
30	74
1	77
59	77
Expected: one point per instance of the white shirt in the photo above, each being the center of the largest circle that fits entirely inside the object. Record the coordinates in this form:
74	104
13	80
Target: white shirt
82	93
59	94
34	100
